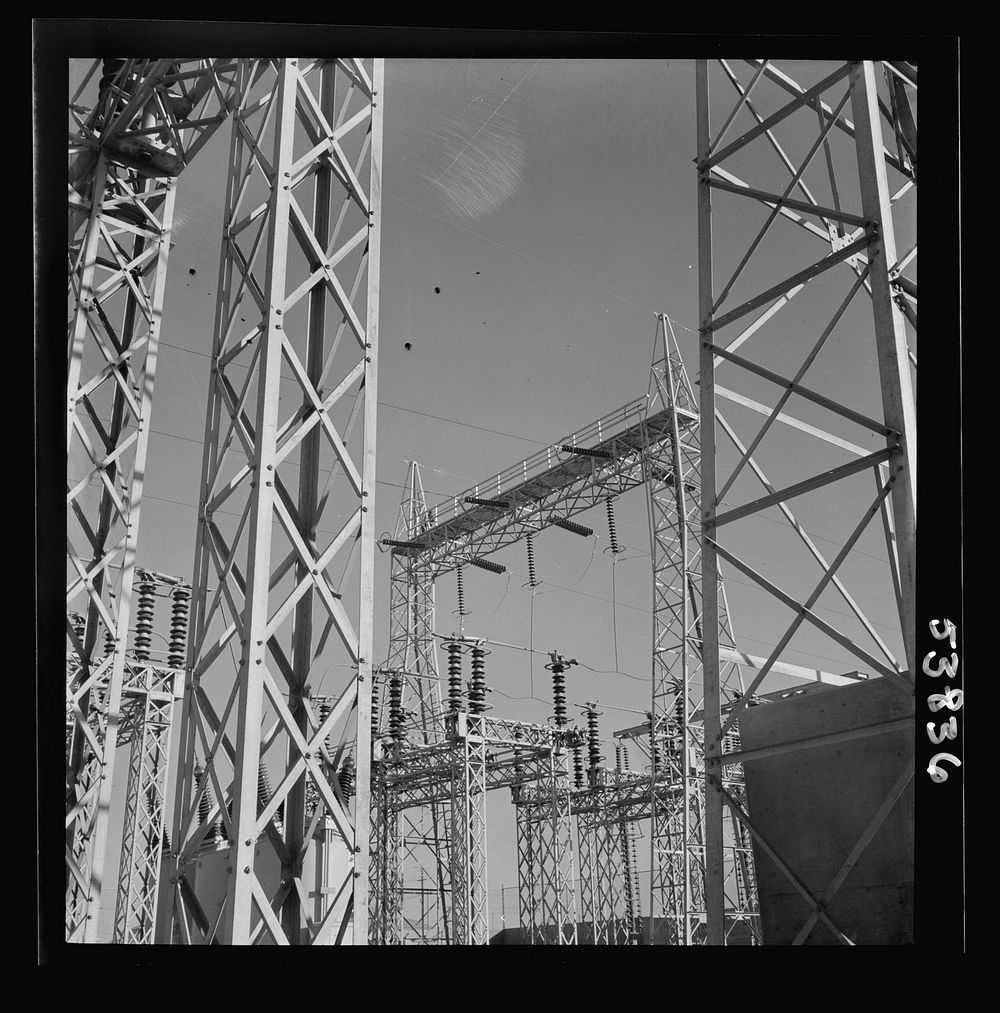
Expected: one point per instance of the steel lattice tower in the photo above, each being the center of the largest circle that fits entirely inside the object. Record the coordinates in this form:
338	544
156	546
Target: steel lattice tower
421	841
855	249
677	839
151	118
300	262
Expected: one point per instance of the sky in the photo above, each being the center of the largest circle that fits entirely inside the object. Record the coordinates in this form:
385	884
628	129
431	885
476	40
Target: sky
537	215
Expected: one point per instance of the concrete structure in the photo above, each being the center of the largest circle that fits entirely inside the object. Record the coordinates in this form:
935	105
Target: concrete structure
839	789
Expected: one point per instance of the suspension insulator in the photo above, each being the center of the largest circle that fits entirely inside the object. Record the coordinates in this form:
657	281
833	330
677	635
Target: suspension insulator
495	504
144	620
375	702
454	678
477	684
578	781
518	766
397	543
532	578
612	530
577	529
587	451
618	759
486	564
396	707
460	592
593	739
179	611
346	776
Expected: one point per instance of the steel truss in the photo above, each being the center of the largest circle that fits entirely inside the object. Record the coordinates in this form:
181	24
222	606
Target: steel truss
677	839
470	918
125	153
863	239
482	753
546	863
604	883
424	859
293	282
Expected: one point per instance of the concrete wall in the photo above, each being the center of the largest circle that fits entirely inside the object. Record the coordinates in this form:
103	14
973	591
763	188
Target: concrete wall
812	806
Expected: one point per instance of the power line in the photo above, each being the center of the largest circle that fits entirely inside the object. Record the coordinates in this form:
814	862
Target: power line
387	404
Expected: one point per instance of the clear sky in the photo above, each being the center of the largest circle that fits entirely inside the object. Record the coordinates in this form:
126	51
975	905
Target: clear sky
536	215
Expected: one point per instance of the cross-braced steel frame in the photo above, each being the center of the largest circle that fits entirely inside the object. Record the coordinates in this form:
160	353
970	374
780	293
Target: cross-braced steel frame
481	753
676	769
470	918
423	877
151	720
604	878
126	149
299	272
547	860
647	442
856	250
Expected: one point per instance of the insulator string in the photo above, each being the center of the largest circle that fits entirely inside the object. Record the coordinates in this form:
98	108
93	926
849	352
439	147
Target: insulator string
461	611
532	579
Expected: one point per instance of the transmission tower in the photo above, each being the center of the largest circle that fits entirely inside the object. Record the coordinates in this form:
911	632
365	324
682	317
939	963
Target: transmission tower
151	119
854	236
677	831
300	265
422	875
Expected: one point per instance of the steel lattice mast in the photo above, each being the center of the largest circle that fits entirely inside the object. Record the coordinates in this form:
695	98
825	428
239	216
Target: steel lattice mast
300	263
423	833
150	120
677	842
854	228
416	852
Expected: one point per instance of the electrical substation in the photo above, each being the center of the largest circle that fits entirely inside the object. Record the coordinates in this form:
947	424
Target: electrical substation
219	792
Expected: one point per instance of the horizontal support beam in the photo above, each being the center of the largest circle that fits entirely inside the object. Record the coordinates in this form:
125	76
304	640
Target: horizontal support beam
727	654
801	488
555	486
776	200
831	739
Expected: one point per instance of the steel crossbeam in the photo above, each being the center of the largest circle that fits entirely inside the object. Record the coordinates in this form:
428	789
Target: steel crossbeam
552	485
300	265
863	238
